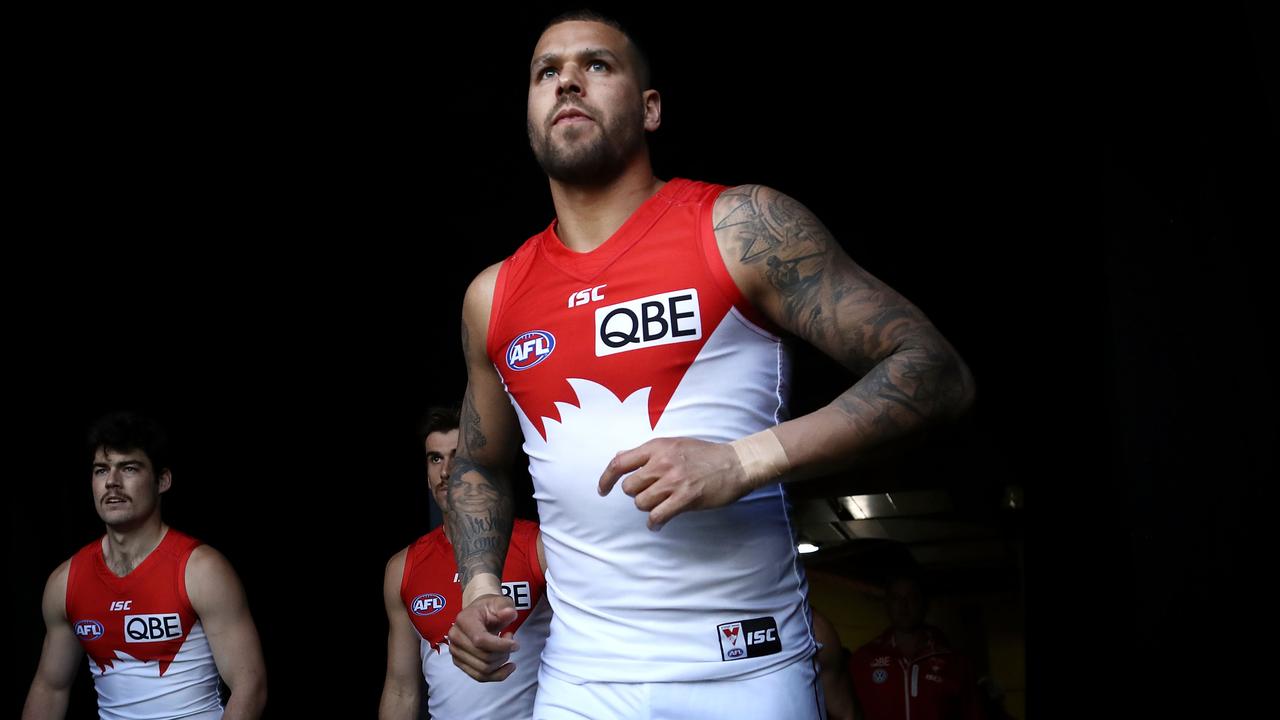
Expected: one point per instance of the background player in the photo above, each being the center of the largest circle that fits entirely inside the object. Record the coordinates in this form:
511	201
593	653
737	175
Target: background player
159	614
422	597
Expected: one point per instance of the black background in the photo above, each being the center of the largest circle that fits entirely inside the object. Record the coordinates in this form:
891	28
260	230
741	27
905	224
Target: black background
259	229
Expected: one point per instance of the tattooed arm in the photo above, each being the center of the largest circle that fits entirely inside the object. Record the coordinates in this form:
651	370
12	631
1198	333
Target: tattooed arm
480	506
790	268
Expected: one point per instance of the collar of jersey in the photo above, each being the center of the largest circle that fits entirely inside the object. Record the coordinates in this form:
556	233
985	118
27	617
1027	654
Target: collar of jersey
586	266
115	581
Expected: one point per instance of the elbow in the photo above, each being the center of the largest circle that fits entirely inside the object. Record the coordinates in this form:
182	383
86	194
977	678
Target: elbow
260	694
944	379
252	696
966	390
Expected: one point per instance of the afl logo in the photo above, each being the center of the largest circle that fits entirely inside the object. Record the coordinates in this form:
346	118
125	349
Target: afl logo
880	676
530	349
427	604
88	629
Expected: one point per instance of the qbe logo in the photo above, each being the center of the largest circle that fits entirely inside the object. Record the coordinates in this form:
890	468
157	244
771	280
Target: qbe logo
748	638
427	604
529	349
663	319
519	594
88	629
152	628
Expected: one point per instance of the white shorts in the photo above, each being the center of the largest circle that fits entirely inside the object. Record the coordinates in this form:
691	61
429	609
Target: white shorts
792	692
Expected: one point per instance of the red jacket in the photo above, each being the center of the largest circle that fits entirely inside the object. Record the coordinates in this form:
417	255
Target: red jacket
938	684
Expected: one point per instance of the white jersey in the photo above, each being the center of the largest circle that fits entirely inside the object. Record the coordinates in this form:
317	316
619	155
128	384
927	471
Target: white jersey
454	695
432	596
648	337
147	649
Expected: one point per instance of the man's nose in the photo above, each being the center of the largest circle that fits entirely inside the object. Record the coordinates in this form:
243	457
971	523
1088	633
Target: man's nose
446	467
569	80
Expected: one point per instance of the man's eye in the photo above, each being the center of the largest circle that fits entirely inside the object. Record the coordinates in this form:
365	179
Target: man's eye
598	64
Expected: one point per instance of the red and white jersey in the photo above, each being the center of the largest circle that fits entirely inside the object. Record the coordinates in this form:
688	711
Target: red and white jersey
432	596
648	336
937	684
147	651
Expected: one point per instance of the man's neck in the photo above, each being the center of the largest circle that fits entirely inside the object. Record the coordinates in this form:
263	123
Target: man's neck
588	216
125	548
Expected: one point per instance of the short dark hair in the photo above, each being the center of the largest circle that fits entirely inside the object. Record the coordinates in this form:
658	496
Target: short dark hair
638	56
439	419
126	430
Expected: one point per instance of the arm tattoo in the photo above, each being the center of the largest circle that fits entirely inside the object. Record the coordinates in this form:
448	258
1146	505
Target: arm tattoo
795	249
480	518
472	435
909	373
480	505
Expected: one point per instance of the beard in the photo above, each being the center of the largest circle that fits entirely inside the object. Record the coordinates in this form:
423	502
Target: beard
594	160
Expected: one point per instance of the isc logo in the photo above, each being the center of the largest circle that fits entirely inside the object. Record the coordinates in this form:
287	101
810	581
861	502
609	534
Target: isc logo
590	295
530	349
748	638
427	604
88	629
662	319
519	594
152	628
118	605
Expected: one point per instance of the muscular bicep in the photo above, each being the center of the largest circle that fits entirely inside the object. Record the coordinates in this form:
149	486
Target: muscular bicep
61	652
490	431
790	267
219	600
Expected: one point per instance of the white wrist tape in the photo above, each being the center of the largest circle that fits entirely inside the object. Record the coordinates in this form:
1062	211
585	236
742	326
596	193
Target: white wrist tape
481	584
762	457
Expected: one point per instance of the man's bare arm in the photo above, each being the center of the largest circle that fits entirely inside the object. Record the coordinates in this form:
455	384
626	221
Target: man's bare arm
218	599
402	688
480	505
51	687
788	266
792	269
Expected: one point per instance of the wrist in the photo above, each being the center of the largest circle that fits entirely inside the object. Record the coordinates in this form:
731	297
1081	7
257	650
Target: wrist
762	457
481	584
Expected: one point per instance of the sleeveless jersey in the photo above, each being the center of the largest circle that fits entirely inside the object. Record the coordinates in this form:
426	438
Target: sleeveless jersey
432	596
648	336
147	650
